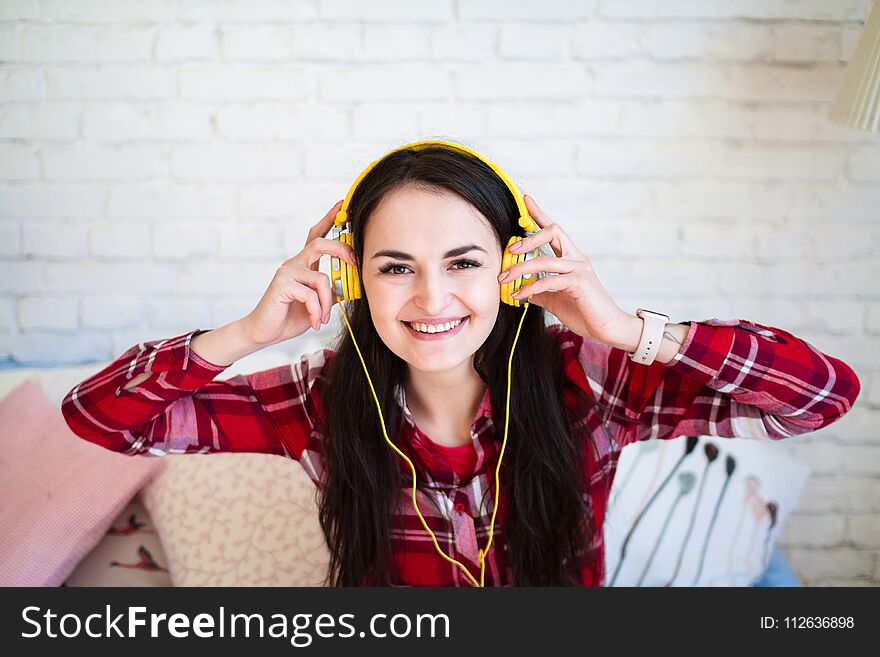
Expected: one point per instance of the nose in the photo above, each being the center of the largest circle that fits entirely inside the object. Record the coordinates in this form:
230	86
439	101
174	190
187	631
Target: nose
434	293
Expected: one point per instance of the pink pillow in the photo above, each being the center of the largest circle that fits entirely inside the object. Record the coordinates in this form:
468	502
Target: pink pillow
59	492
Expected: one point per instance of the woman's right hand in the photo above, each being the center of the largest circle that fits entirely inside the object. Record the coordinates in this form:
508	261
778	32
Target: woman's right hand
299	295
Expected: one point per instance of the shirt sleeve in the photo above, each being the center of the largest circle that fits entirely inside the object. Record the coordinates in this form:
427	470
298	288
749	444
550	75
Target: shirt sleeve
731	378
182	409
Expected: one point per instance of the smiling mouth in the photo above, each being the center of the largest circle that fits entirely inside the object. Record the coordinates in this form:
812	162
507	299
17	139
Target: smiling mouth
458	323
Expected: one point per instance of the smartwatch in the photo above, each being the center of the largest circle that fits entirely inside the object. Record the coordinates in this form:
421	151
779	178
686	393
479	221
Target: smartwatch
654	324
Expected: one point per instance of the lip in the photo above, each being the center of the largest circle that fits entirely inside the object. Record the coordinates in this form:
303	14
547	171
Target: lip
428	337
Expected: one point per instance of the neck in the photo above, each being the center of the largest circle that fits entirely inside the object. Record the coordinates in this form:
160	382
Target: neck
448	400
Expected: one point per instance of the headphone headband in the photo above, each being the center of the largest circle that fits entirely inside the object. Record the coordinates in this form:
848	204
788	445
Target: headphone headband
525	220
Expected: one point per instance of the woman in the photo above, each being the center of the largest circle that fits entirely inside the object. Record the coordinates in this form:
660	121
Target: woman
429	227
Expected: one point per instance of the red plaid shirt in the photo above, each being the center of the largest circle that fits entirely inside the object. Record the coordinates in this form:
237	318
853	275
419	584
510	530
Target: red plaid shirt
729	378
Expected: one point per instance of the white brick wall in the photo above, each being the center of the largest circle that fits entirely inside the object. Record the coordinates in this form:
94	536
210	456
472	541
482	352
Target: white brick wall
160	158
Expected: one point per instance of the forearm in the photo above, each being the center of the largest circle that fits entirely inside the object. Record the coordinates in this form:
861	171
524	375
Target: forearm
224	345
630	332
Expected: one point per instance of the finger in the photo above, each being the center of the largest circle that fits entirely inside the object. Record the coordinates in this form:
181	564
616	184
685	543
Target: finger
309	298
541	264
555	237
536	212
315	249
549	284
321	284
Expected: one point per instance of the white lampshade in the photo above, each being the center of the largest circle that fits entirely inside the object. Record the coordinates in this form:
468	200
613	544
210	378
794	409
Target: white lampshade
858	101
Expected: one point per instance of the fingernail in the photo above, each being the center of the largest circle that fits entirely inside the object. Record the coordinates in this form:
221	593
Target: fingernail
515	247
503	275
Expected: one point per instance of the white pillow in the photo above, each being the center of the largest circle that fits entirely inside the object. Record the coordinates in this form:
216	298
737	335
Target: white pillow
702	528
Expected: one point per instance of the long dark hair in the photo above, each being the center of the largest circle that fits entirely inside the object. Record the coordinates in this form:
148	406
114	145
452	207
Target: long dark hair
549	523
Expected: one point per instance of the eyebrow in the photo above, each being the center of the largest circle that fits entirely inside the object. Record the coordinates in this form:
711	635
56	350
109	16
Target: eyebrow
461	250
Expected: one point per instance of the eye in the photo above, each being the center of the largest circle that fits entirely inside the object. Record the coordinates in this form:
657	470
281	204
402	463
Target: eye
387	269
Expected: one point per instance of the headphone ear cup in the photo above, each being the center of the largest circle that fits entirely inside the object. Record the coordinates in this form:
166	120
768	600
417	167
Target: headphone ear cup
351	279
346	280
509	259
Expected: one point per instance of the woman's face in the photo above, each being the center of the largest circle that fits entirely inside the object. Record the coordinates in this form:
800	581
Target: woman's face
422	281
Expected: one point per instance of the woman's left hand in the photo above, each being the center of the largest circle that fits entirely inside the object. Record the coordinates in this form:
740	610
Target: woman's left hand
575	295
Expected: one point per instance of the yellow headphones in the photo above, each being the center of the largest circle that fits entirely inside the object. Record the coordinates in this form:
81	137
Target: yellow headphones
347	287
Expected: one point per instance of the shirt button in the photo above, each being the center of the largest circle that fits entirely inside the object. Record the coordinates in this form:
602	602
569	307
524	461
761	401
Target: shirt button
459	507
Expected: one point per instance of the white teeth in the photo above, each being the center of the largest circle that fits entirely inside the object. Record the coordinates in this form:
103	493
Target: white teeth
435	328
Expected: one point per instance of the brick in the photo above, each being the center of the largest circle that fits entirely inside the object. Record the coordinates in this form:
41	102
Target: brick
863	531
840	495
253	11
22	83
644	237
787	243
183	240
10	239
53	239
39	121
51	313
718	241
398	124
170	315
534	41
812	531
632	159
342	162
766	9
107	11
48	349
283	122
384	84
394	43
331	42
831	316
104	312
777	163
551	10
247	240
872	317
677	119
521	81
304	202
9	38
115	241
818	563
212	277
242	82
111	81
721	200
600	40
66	43
110	277
18	162
8	321
800	42
169	121
188	43
537	159
464	123
255	42
126	163
719	42
21	277
864	165
234	163
459	42
19	10
171	201
388	11
871	390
